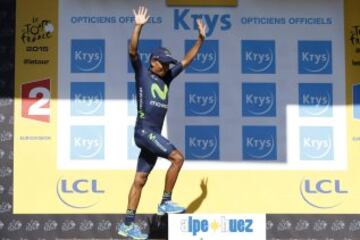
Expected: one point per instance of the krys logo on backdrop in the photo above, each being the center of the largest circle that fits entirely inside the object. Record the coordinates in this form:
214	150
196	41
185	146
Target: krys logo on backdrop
323	193
185	20
79	192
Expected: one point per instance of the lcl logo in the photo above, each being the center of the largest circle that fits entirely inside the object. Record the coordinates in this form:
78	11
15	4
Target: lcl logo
323	193
79	193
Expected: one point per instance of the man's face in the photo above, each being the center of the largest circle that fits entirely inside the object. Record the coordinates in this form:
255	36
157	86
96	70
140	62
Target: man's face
159	68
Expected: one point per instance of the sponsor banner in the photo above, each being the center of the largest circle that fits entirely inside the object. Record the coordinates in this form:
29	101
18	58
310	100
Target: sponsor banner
217	226
249	112
220	3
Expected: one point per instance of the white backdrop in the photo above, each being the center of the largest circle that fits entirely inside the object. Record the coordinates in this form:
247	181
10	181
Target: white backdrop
267	90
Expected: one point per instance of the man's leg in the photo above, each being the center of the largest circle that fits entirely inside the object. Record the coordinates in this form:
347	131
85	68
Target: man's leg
146	162
135	190
177	159
166	205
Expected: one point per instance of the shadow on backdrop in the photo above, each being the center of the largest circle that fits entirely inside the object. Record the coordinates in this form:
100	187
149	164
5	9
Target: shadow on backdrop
196	203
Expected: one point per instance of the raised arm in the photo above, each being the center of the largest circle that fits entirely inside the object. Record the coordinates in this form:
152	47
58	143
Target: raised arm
195	49
141	18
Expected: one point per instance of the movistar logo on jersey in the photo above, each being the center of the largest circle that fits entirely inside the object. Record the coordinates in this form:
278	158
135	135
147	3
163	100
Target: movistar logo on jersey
202	99
158	92
131	98
259	143
316	143
144	49
88	56
258	56
202	142
315	99
87	98
314	57
207	59
259	99
87	142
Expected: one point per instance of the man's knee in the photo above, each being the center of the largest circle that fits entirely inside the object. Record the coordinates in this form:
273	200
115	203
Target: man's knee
140	180
176	158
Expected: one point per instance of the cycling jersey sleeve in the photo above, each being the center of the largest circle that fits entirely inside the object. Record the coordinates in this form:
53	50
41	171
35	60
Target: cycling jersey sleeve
174	71
136	62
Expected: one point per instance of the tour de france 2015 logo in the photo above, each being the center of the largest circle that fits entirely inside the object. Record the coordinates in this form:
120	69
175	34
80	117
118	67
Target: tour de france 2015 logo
37	30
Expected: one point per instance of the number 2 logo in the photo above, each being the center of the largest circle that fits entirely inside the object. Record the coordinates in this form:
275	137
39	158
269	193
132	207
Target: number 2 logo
36	100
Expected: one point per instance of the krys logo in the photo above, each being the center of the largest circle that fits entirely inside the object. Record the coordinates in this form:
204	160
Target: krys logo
87	142
314	57
202	142
259	99
207	59
259	143
35	100
202	99
88	56
87	98
37	30
145	47
315	99
316	143
258	56
79	193
323	193
185	19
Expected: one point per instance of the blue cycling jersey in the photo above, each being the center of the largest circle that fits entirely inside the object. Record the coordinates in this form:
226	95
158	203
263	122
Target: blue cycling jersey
152	94
152	104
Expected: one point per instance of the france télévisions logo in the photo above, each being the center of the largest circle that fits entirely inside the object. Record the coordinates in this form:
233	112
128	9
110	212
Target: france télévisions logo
315	57
207	59
145	48
258	99
259	142
202	142
315	99
87	98
258	56
87	56
316	143
35	100
202	99
87	142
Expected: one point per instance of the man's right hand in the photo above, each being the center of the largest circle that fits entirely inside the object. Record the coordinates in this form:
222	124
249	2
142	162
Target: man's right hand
141	16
